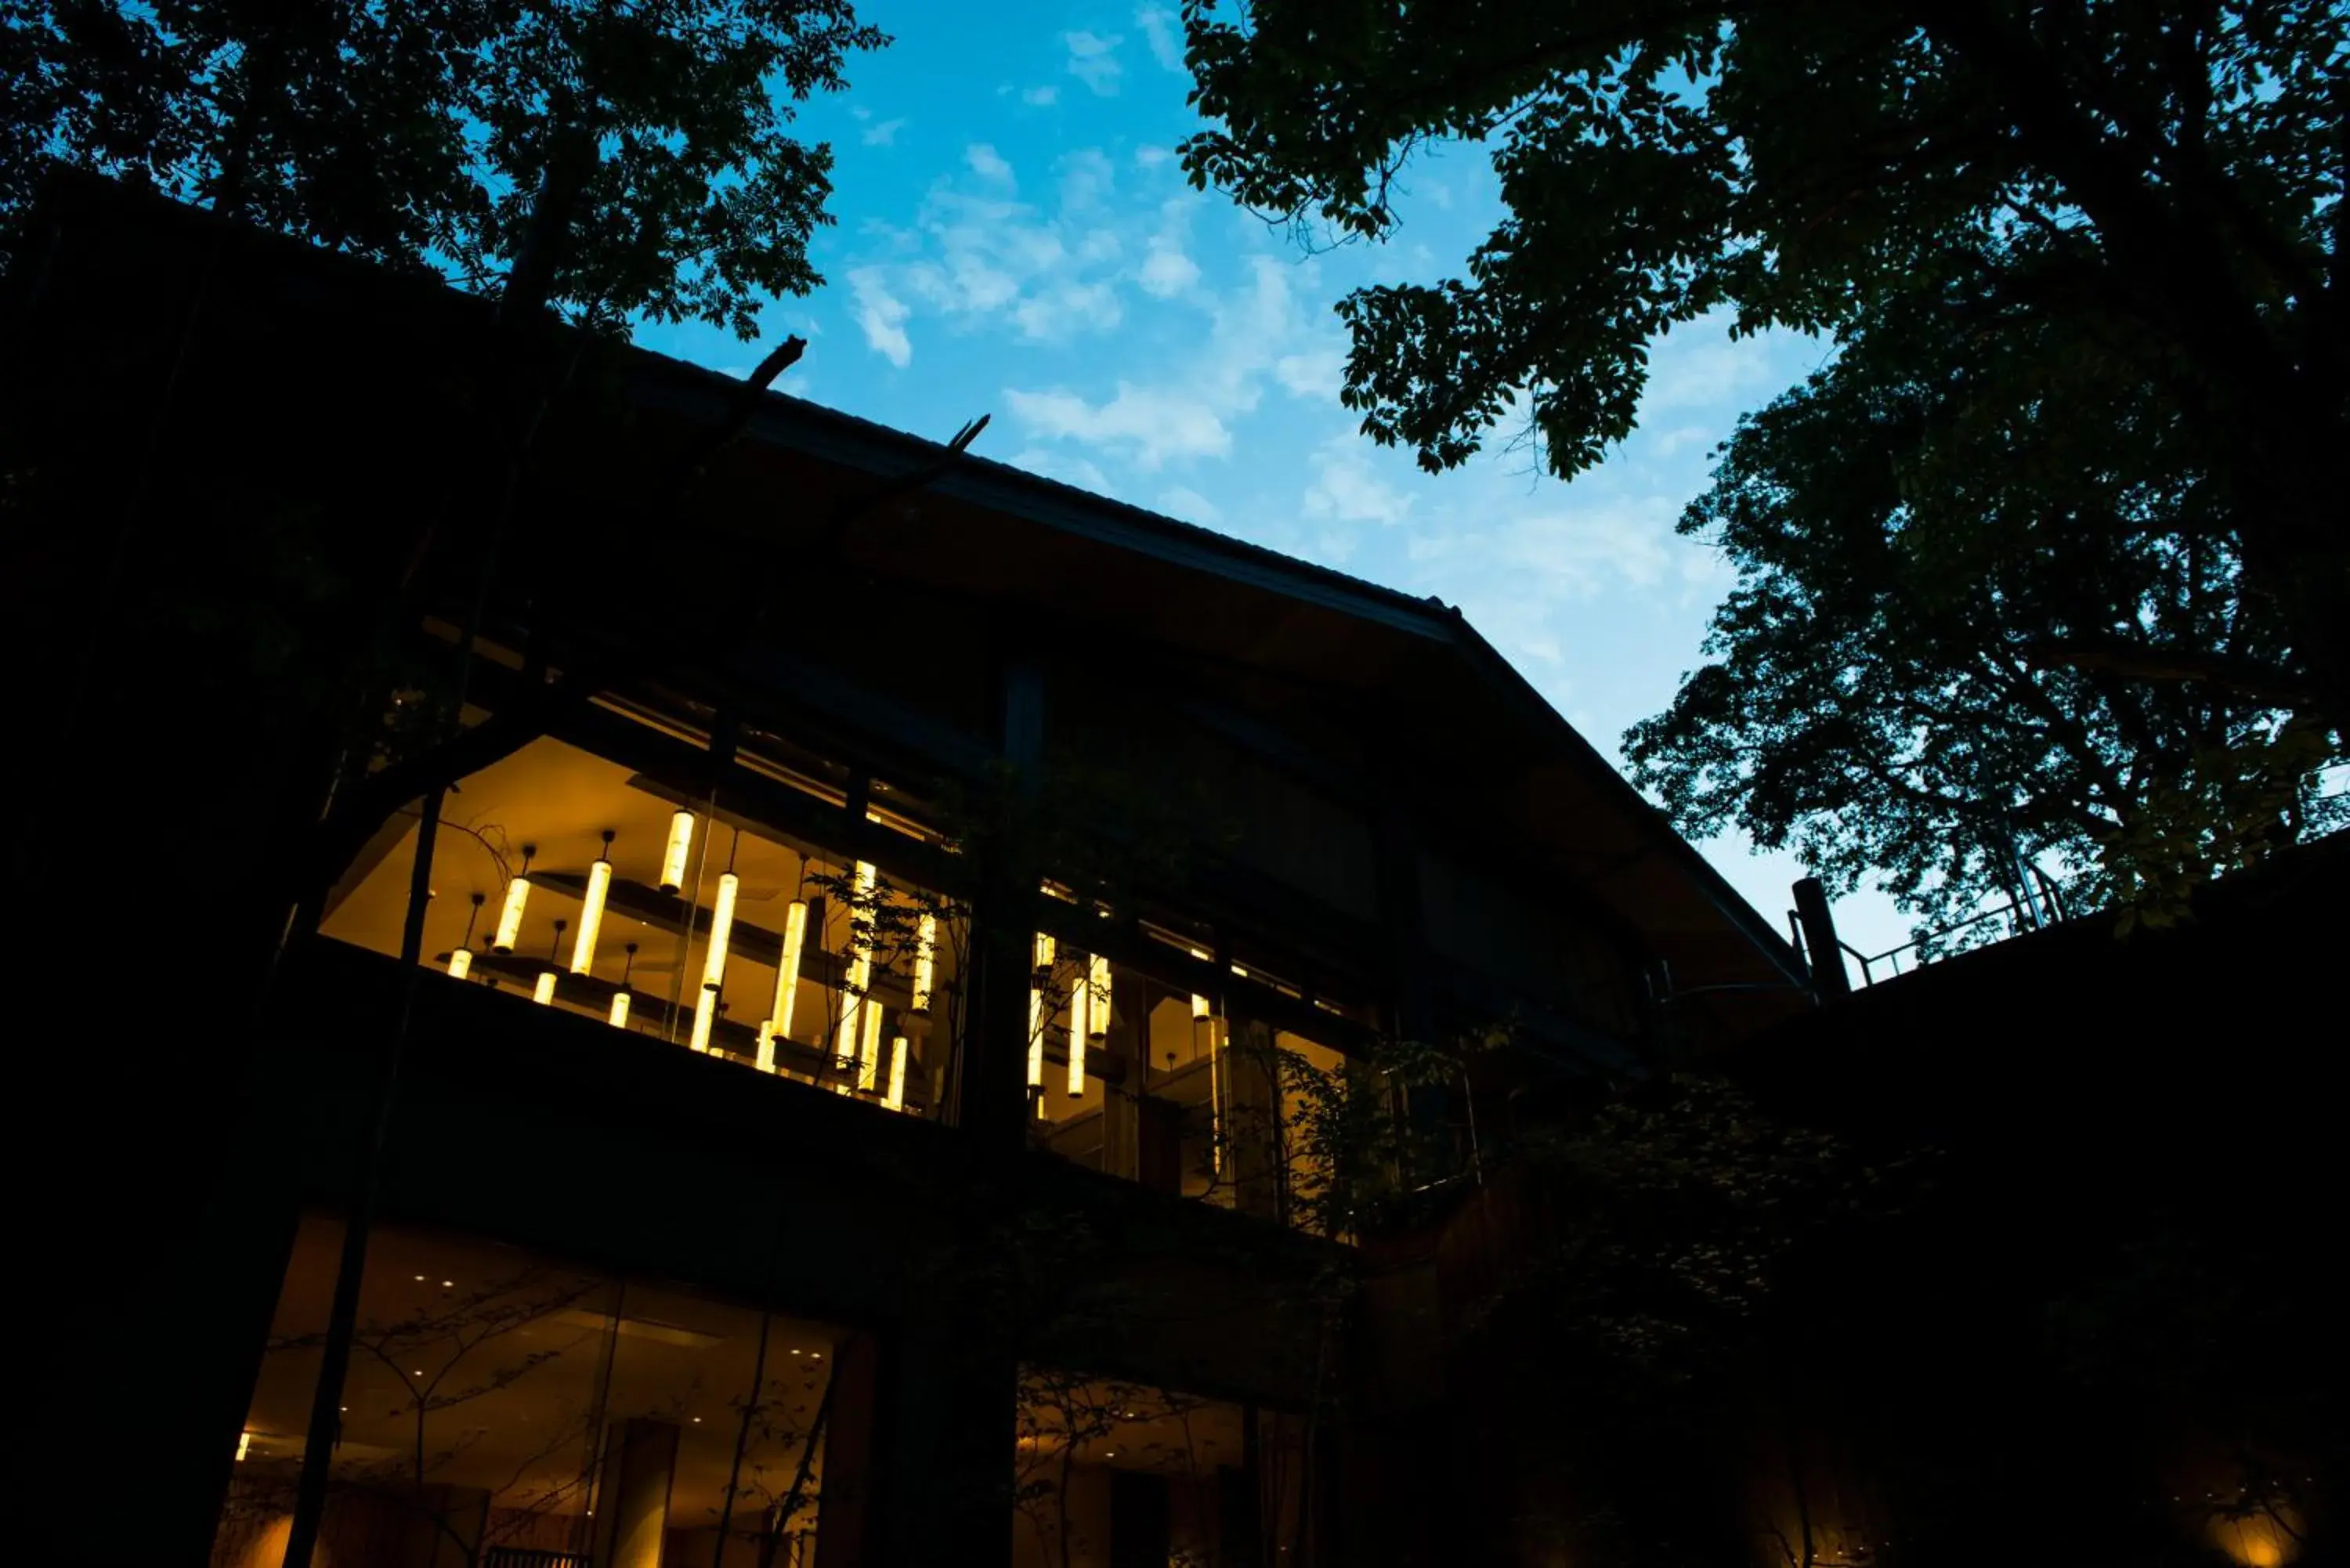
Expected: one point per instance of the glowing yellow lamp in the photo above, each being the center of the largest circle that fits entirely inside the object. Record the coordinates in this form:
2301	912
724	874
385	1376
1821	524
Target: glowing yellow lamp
766	1054
721	926
787	970
868	1049
680	841
705	1014
926	948
461	964
591	916
243	1444
1081	999
1043	954
896	1099
620	1010
543	991
510	913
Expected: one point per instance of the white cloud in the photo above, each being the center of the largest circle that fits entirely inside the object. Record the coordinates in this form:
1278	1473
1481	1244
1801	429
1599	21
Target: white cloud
1346	488
1183	500
1087	178
882	315
1093	60
885	134
1166	270
1189	416
988	163
1317	372
1077	471
1067	309
1147	425
1158	29
1150	157
1040	96
1699	364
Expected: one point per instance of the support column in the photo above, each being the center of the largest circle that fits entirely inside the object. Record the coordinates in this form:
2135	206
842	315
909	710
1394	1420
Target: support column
946	1456
1828	977
992	1093
632	1496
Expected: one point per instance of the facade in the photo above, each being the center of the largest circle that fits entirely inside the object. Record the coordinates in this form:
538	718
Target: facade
817	960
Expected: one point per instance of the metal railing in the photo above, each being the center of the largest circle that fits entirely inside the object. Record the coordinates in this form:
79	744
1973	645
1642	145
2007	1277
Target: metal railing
2044	907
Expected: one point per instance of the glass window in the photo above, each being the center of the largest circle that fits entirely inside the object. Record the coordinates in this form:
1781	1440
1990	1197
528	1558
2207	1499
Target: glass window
1138	1078
500	1404
1111	1473
576	883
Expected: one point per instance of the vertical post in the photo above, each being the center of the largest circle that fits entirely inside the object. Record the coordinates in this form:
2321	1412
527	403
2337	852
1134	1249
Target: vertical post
993	1095
1828	977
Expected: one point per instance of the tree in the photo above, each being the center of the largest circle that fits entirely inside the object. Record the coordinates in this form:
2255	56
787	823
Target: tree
420	135
1967	631
2178	167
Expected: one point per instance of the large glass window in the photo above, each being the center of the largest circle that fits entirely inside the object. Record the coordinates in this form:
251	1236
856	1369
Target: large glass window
502	1408
580	885
1136	1077
1110	1473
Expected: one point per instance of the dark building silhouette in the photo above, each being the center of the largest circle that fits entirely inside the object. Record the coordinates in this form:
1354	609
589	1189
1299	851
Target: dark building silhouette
1071	839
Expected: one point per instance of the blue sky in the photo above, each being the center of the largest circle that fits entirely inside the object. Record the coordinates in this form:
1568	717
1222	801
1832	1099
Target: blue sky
1016	239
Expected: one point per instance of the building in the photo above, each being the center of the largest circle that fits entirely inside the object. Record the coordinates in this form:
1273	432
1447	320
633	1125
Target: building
811	958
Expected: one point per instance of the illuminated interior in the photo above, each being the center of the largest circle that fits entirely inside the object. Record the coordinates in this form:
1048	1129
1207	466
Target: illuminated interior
500	1401
775	954
1111	1472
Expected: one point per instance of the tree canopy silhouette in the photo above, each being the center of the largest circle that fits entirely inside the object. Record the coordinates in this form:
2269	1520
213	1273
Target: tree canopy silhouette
420	134
2046	556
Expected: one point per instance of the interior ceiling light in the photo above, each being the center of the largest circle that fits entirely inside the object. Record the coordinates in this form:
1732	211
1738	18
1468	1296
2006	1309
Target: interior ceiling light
619	1014
860	976
869	1047
787	968
680	841
1039	978
517	896
461	963
705	1015
1202	1009
543	991
925	948
895	1099
722	928
591	910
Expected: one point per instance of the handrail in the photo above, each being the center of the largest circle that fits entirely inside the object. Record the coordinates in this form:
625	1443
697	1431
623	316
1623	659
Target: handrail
2021	916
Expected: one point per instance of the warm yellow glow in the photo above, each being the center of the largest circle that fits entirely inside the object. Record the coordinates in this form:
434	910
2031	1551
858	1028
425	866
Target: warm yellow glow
1098	1010
461	964
243	1444
895	1099
681	842
1043	955
767	1053
2268	1539
926	950
868	1050
787	970
705	1014
543	991
722	928
510	914
591	916
620	1010
1202	1009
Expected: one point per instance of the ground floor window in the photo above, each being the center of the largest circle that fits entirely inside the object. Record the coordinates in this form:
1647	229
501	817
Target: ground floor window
1111	1473
507	1410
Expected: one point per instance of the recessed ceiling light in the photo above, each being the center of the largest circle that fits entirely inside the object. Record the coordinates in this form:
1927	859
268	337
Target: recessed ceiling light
697	1420
420	1279
448	1284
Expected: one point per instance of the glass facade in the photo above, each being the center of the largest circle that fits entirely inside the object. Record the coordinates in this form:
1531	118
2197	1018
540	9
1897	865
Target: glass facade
1110	1473
1136	1076
503	1407
581	885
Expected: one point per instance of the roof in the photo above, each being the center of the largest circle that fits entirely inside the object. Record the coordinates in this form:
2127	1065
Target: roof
1230	598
